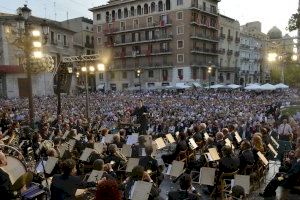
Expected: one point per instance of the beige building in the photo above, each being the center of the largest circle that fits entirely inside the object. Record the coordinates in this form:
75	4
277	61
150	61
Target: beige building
229	50
169	40
13	81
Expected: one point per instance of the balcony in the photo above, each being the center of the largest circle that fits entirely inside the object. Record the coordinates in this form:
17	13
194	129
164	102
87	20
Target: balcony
213	12
229	38
237	40
244	46
155	39
205	38
204	51
237	54
128	30
197	23
89	45
156	65
229	52
221	51
222	36
155	52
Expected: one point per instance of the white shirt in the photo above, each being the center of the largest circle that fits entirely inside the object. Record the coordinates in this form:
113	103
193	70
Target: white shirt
285	129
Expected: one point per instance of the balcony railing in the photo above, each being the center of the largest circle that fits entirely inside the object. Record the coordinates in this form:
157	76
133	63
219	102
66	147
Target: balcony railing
89	45
237	53
204	9
237	40
222	36
229	38
221	51
154	39
198	23
204	51
202	37
229	52
154	52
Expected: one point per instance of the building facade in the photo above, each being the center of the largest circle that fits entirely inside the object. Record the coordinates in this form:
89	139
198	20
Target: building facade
170	41
229	51
13	79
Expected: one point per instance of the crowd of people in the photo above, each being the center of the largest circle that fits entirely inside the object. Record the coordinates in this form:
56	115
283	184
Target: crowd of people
210	118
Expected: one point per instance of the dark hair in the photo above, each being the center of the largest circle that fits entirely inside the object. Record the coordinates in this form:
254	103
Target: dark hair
67	166
226	151
108	190
98	164
182	136
148	150
238	191
185	182
137	172
247	144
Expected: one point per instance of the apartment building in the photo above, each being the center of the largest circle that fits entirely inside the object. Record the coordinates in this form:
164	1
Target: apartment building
13	79
229	51
169	41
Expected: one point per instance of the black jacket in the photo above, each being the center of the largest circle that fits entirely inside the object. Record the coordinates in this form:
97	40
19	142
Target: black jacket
246	158
182	195
64	187
149	163
5	186
229	164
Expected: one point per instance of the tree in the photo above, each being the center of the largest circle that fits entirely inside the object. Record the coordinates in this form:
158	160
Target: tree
294	22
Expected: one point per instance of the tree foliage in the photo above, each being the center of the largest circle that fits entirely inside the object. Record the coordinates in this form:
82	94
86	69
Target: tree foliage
291	74
294	22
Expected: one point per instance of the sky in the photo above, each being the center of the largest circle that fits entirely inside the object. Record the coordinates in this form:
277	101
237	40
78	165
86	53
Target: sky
269	12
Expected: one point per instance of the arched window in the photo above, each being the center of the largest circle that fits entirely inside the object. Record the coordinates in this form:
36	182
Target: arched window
119	14
160	6
107	16
168	5
139	10
113	15
152	7
132	11
146	9
125	12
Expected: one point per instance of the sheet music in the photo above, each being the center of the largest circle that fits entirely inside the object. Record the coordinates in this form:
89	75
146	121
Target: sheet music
50	164
126	150
208	157
237	137
72	143
227	142
207	176
206	136
86	154
170	138
193	143
132	162
98	147
160	143
177	168
78	136
244	181
65	134
140	190
143	152
132	139
273	150
262	158
95	176
214	154
39	168
275	142
62	149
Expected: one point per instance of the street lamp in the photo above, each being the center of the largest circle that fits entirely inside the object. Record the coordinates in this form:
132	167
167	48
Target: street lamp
139	75
209	74
86	70
30	42
273	57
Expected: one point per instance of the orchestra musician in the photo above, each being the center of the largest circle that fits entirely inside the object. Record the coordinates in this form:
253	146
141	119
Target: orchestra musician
64	186
141	114
5	183
137	148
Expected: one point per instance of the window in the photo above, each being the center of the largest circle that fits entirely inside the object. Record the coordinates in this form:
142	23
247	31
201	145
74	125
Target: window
123	38
124	75
228	32
99	40
180	30
228	76
65	40
124	86
179	44
58	37
125	12
98	16
165	74
179	15
160	6
152	7
122	26
180	58
168	4
150	74
139	10
101	76
180	73
221	30
135	23
52	37
179	2
112	75
204	6
146	9
99	29
150	21
119	14
132	11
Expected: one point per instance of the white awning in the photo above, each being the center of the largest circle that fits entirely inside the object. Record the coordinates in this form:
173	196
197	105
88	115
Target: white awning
100	86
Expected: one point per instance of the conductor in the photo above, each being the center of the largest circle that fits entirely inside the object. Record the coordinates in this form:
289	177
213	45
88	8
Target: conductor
141	113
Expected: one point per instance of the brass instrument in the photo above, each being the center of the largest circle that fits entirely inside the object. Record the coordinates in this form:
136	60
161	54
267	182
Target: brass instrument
121	156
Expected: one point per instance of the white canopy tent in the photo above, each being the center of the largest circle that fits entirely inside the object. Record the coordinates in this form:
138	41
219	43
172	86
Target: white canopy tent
281	86
181	86
252	87
233	86
217	86
267	86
